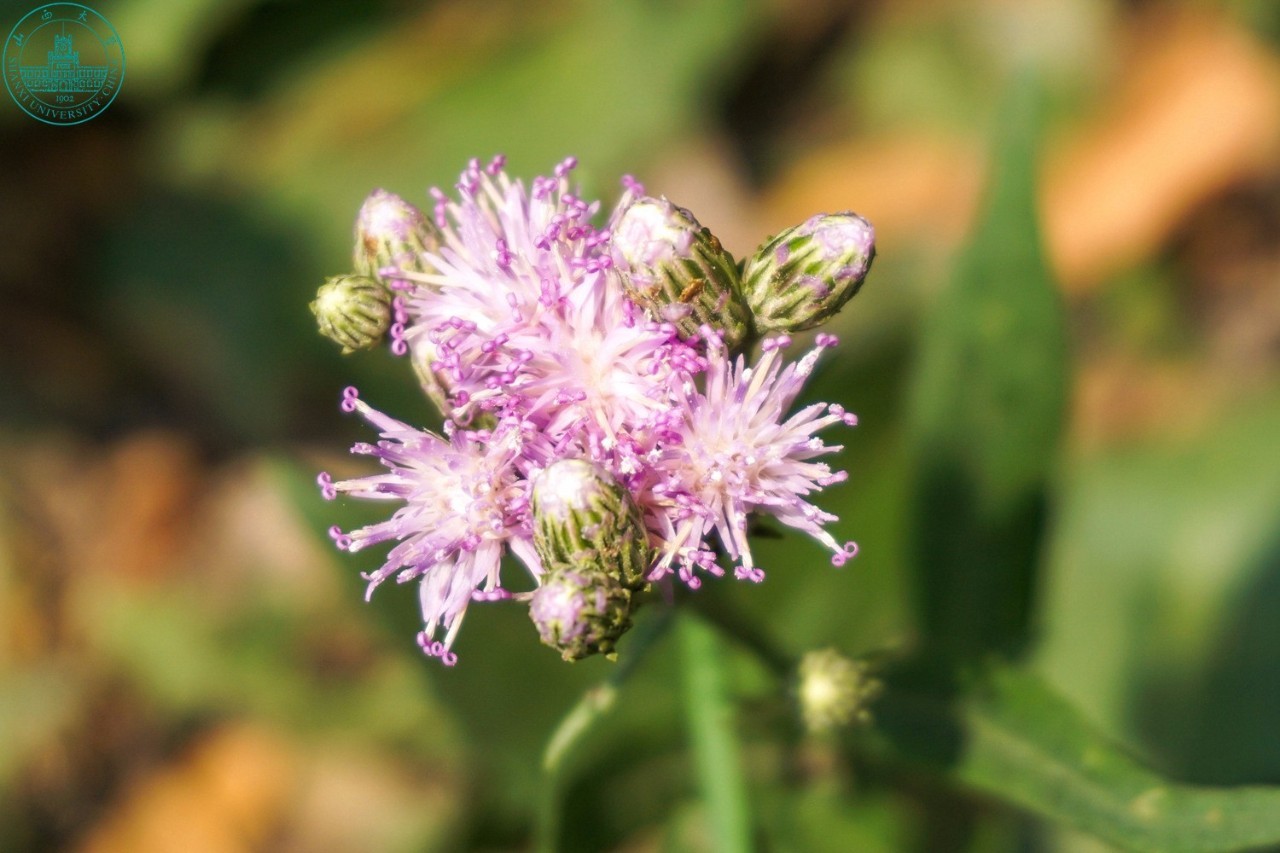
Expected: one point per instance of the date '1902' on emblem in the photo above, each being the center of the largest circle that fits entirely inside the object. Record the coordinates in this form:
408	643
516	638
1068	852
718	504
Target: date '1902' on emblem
63	63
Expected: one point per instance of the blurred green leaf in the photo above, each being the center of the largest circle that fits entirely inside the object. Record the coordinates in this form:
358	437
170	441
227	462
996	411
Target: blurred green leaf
1228	725
1015	739
986	414
825	817
1180	534
537	83
166	39
261	659
36	703
712	736
196	289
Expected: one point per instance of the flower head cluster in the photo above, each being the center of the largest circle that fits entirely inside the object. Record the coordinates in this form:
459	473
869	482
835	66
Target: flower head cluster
510	305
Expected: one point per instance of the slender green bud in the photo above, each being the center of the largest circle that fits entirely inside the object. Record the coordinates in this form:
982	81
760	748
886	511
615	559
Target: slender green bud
353	311
835	691
804	275
580	613
391	232
584	520
677	271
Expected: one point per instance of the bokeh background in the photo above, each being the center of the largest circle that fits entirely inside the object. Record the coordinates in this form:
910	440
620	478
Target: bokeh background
185	664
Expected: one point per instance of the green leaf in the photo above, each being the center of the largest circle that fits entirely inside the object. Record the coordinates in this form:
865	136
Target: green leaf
986	414
1015	739
716	754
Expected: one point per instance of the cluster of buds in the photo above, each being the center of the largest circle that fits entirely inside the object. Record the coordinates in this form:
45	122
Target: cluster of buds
356	311
608	418
671	267
591	539
678	272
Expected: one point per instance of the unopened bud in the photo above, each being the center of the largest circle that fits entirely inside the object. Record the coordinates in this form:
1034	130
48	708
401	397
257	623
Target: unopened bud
580	613
677	271
835	691
804	275
353	311
583	519
391	232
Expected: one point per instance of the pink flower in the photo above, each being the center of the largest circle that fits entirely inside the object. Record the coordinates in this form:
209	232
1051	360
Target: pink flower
513	311
739	453
464	503
522	309
492	293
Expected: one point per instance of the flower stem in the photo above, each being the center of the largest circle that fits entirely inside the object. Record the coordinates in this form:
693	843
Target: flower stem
593	705
746	634
715	746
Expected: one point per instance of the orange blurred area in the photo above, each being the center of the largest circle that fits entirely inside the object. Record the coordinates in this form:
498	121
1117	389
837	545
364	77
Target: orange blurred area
1194	112
225	794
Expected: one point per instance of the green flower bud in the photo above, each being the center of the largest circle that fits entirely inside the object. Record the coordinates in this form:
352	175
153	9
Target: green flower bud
352	310
677	271
580	613
804	275
584	520
835	691
391	232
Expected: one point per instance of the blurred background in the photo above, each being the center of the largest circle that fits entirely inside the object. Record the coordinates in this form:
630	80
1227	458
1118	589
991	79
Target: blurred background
186	665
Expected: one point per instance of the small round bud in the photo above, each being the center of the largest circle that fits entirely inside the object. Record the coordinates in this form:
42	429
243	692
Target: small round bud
583	519
391	232
804	275
677	271
353	311
834	690
580	613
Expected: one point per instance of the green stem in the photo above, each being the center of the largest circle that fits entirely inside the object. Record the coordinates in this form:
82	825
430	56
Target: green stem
715	746
593	705
746	634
